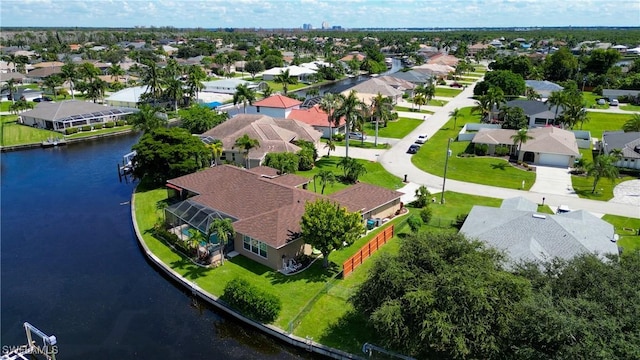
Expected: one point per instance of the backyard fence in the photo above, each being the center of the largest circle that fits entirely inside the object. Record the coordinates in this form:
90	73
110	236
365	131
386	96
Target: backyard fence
369	248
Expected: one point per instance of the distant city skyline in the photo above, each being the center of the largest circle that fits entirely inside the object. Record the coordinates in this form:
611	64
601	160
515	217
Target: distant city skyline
294	13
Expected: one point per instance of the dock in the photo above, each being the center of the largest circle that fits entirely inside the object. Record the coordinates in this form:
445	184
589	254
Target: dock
51	142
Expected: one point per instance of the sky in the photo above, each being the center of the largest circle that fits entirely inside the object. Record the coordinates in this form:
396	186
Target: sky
294	13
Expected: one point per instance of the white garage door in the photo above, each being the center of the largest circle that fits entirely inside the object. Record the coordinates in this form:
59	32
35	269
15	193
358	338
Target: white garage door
554	160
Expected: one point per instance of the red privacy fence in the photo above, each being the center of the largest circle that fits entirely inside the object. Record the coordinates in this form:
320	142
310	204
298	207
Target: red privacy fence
367	250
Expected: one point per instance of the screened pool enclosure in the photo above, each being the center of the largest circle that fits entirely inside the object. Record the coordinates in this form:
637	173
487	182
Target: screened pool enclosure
186	216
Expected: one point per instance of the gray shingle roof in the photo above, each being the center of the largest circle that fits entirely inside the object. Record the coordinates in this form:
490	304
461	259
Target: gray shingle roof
625	141
532	107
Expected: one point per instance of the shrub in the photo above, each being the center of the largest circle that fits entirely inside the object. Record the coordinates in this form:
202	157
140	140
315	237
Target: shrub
251	301
338	137
460	219
98	126
426	214
109	124
121	122
86	128
69	131
481	149
414	223
502	150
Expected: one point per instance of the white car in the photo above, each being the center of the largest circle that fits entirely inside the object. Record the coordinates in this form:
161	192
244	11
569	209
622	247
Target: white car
614	102
421	139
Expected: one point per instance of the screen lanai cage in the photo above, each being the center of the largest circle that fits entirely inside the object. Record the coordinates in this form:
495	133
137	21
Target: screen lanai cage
186	216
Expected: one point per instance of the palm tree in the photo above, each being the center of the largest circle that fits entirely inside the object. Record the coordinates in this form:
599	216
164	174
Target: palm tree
617	154
195	76
520	138
11	87
483	106
330	146
245	144
557	99
324	177
174	91
329	103
116	72
283	78
89	72
382	107
349	108
70	74
633	124
419	99
267	91
216	151
454	114
602	166
95	89
195	238
147	118
52	82
152	78
429	91
496	99
244	95
223	229
531	94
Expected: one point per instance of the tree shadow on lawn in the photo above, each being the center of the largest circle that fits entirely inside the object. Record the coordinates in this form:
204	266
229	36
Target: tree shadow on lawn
313	274
193	271
500	166
349	332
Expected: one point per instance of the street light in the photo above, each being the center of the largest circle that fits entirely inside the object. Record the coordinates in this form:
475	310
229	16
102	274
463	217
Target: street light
446	163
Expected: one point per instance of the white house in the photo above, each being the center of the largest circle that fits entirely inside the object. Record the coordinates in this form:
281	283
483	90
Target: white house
278	106
299	72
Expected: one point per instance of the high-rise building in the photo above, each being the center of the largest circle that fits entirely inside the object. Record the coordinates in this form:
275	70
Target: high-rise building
307	26
325	25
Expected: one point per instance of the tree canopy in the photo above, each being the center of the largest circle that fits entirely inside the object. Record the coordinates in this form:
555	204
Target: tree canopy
197	119
165	153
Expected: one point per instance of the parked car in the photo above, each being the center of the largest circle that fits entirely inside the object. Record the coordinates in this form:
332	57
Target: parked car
421	139
456	85
563	209
413	149
44	98
614	102
357	136
601	102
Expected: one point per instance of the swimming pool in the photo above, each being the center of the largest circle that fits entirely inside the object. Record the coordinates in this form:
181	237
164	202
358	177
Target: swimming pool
213	239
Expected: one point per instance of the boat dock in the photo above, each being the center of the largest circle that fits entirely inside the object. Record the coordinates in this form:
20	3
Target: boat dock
51	142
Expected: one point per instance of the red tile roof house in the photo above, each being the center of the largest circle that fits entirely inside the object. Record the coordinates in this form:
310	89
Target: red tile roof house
265	208
278	106
274	135
317	118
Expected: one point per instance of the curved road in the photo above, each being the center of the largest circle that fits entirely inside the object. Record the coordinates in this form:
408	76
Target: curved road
398	162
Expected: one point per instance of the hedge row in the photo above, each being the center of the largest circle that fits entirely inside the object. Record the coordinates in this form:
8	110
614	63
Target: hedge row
251	301
108	125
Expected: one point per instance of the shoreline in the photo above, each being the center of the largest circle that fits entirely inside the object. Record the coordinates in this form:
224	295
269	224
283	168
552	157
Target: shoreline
271	330
38	145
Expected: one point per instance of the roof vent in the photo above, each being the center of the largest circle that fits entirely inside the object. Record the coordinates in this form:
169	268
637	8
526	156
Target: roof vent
539	216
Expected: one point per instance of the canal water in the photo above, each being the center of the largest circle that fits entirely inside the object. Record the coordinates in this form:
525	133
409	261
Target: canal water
71	266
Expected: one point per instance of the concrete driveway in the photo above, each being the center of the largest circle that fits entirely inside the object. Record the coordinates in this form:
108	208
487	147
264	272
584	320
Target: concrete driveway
627	192
553	180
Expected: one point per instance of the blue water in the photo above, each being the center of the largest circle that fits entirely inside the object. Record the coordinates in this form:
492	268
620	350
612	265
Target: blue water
213	238
71	266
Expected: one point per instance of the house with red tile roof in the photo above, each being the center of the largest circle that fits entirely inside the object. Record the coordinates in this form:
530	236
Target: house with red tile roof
265	208
278	106
317	118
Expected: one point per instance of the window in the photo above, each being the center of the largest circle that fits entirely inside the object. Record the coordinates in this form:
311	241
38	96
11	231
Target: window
540	121
257	108
257	247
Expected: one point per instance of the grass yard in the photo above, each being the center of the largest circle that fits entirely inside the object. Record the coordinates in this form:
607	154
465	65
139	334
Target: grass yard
480	170
627	228
630	107
12	133
375	175
432	102
395	129
447	92
4	106
359	143
456	204
583	185
277	87
599	122
591	99
407	109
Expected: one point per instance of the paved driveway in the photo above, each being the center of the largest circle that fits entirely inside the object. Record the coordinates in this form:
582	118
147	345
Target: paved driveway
627	192
553	180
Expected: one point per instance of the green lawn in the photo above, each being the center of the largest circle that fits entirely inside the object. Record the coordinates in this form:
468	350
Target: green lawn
432	102
13	133
375	175
630	107
627	228
480	170
277	87
395	129
583	185
599	122
407	109
359	143
4	106
591	101
447	92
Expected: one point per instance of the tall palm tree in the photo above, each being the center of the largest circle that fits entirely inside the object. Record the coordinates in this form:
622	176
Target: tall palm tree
194	239
195	77
52	82
283	78
95	89
152	79
324	177
349	108
245	144
454	114
244	95
89	72
330	146
329	103
216	151
147	118
174	91
382	107
531	94
603	166
116	71
223	229
70	74
557	99
632	124
11	88
483	106
429	91
519	138
496	99
419	99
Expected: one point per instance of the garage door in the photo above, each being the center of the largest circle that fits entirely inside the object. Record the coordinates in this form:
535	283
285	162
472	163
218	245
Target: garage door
554	160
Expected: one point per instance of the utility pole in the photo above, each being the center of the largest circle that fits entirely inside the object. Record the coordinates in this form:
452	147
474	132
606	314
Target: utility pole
446	164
